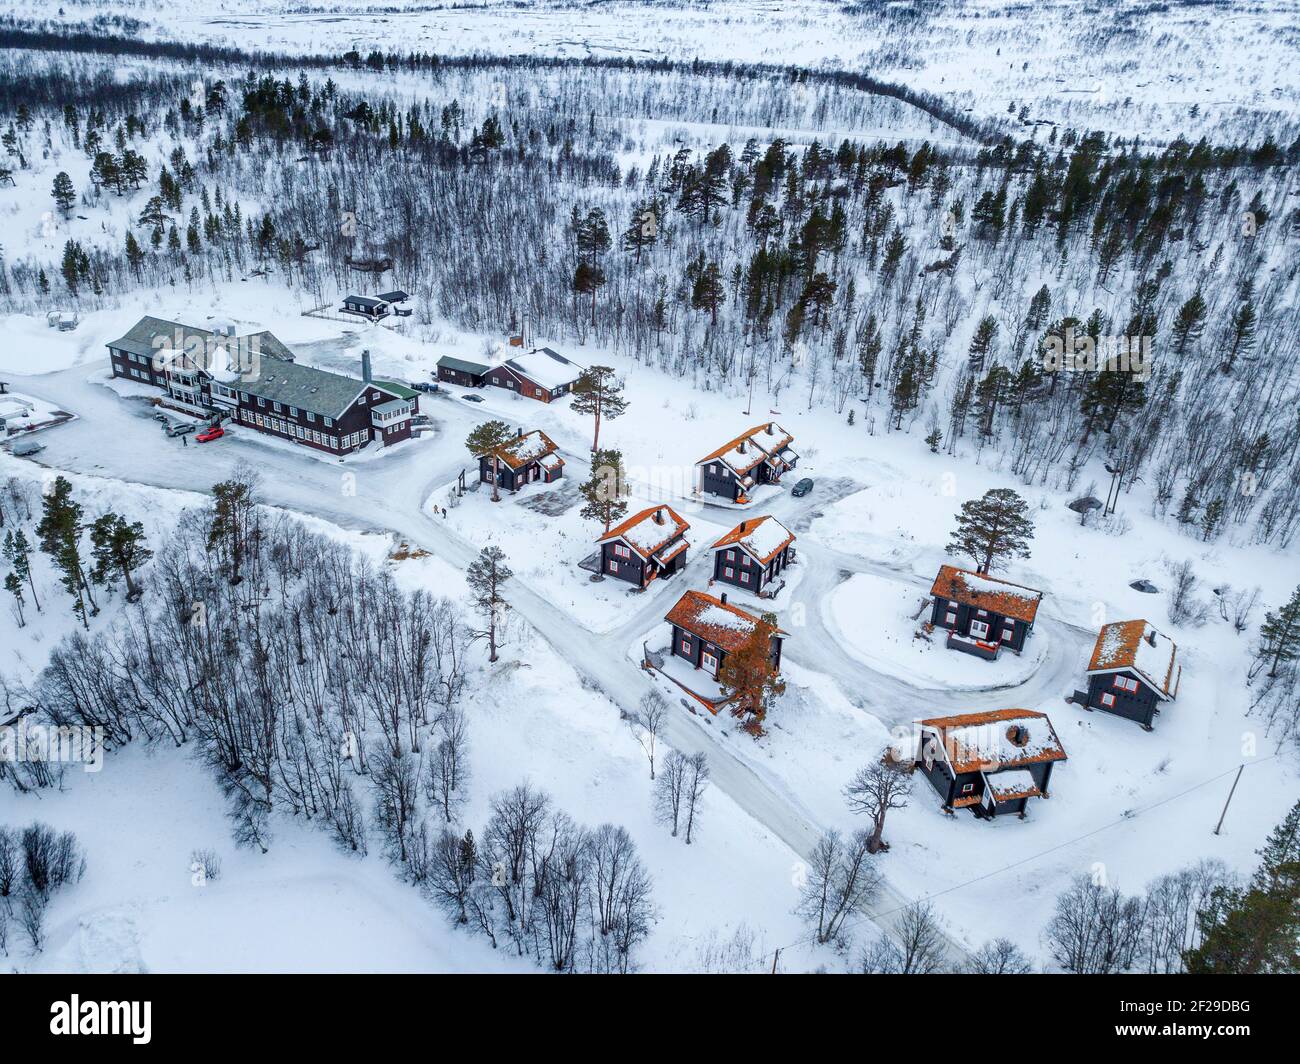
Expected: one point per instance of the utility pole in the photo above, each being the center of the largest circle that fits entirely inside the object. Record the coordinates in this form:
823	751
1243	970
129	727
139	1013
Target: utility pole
1230	794
775	957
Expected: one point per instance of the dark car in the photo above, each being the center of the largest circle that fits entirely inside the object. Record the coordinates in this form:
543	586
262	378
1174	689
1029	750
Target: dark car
425	386
472	398
802	488
162	415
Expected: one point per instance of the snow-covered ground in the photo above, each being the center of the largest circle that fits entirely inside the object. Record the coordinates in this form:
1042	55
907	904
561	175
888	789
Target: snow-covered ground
877	520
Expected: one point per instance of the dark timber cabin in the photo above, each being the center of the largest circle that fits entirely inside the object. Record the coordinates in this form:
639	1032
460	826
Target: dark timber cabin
753	554
982	614
758	456
527	458
1133	669
365	307
462	371
544	375
707	629
991	763
645	547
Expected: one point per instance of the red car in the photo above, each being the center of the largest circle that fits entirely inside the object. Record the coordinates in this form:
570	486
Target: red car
208	435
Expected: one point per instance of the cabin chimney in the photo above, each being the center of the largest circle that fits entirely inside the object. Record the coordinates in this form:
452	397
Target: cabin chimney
519	433
365	366
769	428
741	446
1151	636
742	527
659	516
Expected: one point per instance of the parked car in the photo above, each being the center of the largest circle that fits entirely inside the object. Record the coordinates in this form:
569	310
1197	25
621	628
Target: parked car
179	428
425	386
472	398
421	419
210	434
163	416
802	488
27	448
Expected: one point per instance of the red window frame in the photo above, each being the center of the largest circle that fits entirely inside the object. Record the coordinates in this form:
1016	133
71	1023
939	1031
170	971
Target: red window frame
1108	700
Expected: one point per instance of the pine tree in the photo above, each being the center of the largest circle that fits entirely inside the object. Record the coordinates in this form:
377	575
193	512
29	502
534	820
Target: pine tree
489	438
605	492
598	392
1280	635
15	587
1189	323
982	342
869	345
65	196
708	292
993	529
591	238
17	551
60	531
486	576
118	548
1241	338
134	254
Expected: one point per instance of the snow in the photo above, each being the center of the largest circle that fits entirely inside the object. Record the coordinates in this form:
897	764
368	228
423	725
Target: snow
1010	783
649	534
548	371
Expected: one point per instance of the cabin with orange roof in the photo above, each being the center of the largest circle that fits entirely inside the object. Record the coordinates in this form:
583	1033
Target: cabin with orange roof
1133	670
991	763
528	458
760	455
753	554
981	613
707	629
649	545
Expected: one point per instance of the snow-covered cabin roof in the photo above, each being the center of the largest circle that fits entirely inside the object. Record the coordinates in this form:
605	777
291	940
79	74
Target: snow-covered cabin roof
1137	647
529	447
548	368
1010	784
998	596
996	739
716	621
648	531
763	538
762	442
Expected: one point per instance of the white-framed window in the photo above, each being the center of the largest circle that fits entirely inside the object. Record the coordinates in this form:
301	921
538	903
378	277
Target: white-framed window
950	617
613	566
329	422
967	788
979	629
293	411
686	645
728	571
1008	633
310	417
1108	700
981	613
709	661
744	577
1125	684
